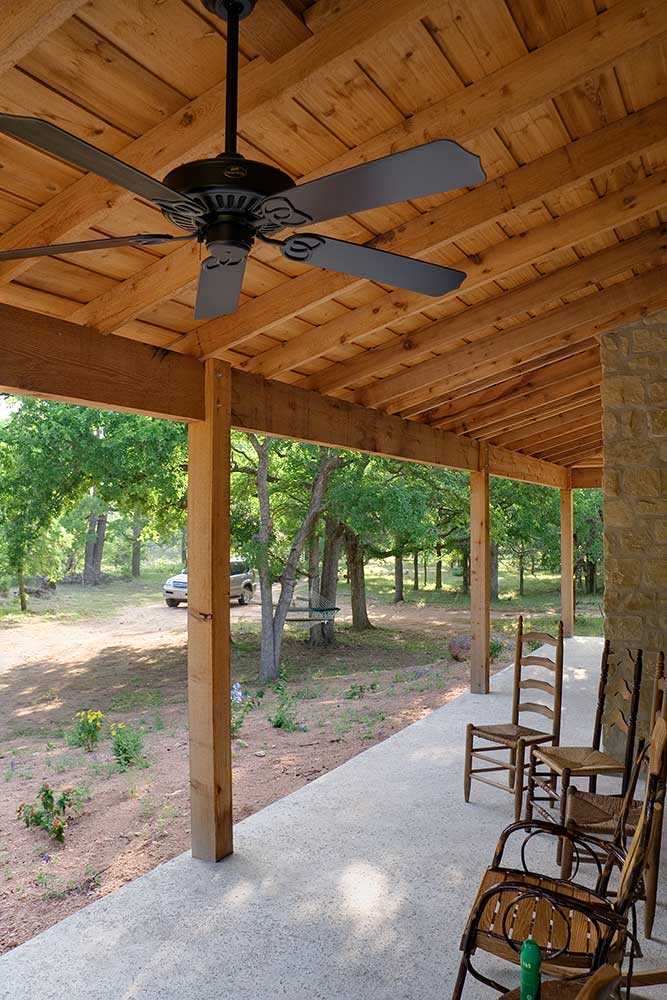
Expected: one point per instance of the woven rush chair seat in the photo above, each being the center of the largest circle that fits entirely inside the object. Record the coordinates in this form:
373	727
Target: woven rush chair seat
511	733
581	762
599	813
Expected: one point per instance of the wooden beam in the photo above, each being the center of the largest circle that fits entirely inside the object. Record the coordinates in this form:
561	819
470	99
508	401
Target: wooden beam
525	468
586	479
281	410
55	359
549	69
567	562
25	24
531	247
559	435
274	29
525	417
577	447
52	358
209	657
599	308
480	592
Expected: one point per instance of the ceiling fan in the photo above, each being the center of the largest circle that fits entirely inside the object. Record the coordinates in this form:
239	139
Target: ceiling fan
228	201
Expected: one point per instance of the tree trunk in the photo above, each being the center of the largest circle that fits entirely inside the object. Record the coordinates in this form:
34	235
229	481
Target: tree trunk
23	600
323	633
465	580
591	577
425	569
415	573
313	569
398	578
100	535
493	556
521	574
89	558
184	546
354	553
438	567
273	621
136	548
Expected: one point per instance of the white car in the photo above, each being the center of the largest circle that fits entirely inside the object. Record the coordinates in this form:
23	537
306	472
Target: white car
241	585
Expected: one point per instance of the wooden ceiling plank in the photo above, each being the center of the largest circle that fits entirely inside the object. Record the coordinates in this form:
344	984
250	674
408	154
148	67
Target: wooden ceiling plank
527	417
593	308
543	378
449	404
560	389
576	449
522	187
562	434
27	23
548	425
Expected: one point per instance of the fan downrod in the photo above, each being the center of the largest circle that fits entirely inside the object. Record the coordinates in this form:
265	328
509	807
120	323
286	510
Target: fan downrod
221	8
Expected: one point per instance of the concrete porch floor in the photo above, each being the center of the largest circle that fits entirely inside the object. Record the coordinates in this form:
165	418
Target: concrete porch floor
356	886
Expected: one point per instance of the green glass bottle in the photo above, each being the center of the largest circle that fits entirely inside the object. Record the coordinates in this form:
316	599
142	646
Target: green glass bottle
530	969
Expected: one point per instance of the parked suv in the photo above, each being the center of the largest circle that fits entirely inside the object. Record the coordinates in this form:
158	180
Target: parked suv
241	585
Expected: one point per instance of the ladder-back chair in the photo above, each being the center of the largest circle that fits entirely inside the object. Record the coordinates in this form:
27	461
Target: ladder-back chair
577	928
563	763
513	736
589	812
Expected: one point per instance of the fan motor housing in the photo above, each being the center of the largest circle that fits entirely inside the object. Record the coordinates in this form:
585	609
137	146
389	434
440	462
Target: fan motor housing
229	188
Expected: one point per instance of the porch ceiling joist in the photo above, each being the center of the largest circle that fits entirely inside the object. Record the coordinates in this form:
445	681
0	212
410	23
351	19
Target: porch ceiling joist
55	359
25	24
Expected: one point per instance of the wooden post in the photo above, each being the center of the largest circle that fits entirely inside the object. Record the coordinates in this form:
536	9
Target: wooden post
567	562
209	674
480	594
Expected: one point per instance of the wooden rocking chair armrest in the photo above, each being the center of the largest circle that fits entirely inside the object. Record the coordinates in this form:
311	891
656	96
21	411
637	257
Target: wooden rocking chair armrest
534	826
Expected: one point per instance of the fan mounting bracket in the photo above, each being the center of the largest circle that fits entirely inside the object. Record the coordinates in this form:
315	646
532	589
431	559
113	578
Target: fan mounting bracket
221	7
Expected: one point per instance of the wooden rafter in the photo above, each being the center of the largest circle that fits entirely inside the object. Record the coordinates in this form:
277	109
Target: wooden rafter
25	24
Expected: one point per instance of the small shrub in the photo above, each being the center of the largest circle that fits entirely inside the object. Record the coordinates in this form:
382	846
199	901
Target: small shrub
127	744
285	714
49	812
495	648
86	730
355	691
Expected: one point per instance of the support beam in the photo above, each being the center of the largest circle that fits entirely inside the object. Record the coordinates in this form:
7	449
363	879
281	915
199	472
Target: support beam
480	589
587	479
209	668
52	358
55	359
567	561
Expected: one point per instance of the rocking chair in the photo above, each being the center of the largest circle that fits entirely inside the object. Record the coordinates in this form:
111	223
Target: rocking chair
577	928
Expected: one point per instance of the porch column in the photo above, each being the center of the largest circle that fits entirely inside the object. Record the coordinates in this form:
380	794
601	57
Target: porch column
209	674
480	592
567	562
634	406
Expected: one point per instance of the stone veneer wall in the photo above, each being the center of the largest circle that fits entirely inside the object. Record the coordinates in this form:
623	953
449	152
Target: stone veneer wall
634	400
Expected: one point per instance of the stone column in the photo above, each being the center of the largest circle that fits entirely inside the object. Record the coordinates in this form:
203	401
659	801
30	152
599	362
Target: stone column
634	401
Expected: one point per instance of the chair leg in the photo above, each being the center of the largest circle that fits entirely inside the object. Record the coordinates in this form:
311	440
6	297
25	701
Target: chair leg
460	980
530	786
564	785
512	771
520	765
468	762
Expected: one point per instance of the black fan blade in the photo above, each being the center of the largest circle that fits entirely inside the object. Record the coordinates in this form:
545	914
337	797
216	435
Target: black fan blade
141	239
219	287
376	265
66	146
433	168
